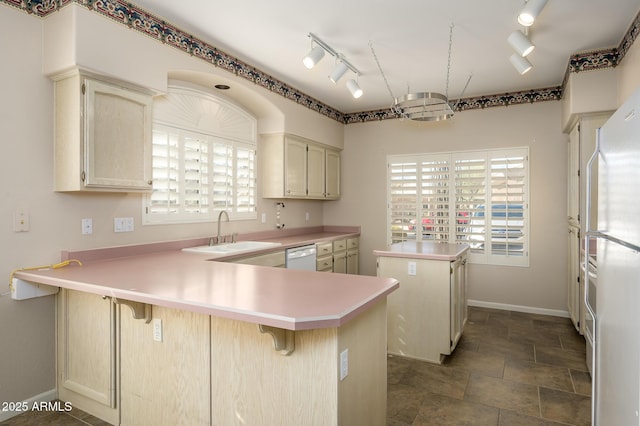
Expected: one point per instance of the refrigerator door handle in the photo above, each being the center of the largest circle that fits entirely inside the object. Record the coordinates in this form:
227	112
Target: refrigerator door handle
588	235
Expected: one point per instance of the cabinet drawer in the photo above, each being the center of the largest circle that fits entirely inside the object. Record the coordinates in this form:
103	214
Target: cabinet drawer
339	245
324	249
324	263
352	243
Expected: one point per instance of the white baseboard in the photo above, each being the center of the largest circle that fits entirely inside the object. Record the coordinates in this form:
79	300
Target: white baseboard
519	308
43	397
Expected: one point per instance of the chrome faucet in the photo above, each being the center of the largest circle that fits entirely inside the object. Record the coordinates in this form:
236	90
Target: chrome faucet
219	226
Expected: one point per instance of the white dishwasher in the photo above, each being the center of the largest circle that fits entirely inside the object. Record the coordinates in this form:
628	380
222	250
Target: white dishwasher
303	257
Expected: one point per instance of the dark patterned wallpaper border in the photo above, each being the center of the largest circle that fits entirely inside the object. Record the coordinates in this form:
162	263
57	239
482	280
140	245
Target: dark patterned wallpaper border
138	19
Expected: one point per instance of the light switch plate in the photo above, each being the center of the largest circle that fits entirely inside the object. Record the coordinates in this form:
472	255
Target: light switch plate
344	364
87	226
157	329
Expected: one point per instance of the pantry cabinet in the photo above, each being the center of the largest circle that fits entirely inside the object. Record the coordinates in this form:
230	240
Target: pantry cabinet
295	167
581	145
102	135
427	314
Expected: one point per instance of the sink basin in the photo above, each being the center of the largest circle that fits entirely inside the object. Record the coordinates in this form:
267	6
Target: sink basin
232	248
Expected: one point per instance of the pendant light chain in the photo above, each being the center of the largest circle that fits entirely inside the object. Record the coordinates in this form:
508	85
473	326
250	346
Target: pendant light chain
384	77
446	90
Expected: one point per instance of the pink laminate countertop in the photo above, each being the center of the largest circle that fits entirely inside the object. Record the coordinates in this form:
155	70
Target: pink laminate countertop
285	298
423	250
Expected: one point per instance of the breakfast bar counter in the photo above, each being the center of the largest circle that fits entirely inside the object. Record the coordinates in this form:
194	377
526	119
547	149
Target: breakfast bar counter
163	336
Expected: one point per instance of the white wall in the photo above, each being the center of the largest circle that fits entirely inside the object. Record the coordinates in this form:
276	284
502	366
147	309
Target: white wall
543	284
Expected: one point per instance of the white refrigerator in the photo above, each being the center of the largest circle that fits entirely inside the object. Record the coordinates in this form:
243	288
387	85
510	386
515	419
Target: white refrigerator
616	374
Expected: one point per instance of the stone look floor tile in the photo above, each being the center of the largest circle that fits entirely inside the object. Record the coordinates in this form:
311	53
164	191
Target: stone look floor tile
438	410
538	374
565	407
581	382
477	362
510	418
436	379
564	358
519	397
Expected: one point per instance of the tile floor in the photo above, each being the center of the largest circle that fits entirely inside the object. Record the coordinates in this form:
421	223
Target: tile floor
509	369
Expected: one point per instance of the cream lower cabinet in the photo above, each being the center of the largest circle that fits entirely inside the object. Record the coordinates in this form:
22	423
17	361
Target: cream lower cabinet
426	315
324	256
165	379
353	256
185	368
88	333
102	135
295	167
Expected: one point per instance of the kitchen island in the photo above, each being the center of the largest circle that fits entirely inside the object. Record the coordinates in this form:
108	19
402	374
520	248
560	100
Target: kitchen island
169	337
426	316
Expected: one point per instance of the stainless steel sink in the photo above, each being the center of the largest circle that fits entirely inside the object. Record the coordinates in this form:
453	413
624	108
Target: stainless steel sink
232	248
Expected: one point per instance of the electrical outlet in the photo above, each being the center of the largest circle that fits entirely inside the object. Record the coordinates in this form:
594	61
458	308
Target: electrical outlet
306	216
87	226
344	364
264	217
411	268
122	224
157	329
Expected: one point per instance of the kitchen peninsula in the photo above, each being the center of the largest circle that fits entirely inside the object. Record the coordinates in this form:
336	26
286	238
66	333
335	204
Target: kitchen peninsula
217	342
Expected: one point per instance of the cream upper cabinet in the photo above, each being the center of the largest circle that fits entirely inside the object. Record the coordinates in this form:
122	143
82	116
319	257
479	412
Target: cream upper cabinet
332	178
295	167
315	171
102	135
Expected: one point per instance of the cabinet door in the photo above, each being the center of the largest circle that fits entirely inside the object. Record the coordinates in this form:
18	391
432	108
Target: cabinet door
295	168
87	353
340	262
352	262
332	185
458	300
573	183
315	171
117	137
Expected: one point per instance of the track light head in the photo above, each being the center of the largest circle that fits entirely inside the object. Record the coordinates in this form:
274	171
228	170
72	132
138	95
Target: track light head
338	71
354	88
520	63
313	57
520	43
530	12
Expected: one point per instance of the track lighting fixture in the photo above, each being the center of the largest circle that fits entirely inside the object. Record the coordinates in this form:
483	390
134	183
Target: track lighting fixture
520	43
520	63
313	57
530	12
354	88
338	71
341	67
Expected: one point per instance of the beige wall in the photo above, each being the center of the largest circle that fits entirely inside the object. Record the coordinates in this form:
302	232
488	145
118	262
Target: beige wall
543	284
629	73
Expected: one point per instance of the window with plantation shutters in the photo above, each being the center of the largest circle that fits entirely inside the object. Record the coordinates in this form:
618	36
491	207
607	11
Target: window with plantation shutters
475	197
204	160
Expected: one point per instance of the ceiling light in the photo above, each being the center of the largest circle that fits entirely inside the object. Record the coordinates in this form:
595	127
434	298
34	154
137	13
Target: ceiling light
338	71
530	12
354	88
520	43
520	63
313	57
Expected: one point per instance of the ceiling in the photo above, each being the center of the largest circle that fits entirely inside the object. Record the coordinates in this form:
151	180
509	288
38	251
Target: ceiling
410	39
